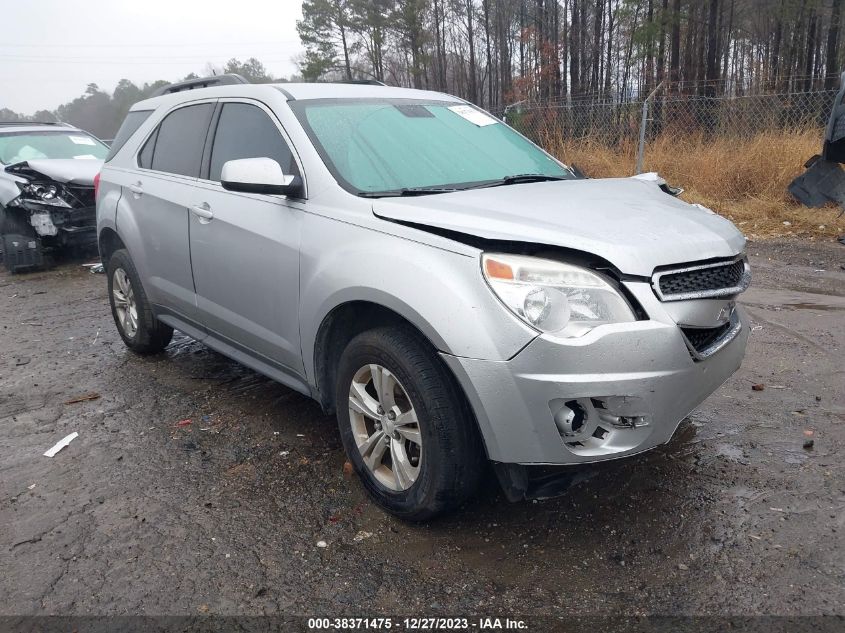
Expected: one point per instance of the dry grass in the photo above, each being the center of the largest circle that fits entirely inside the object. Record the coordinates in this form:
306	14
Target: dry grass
744	180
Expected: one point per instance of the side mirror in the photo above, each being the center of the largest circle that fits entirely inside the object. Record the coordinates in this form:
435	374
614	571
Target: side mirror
256	175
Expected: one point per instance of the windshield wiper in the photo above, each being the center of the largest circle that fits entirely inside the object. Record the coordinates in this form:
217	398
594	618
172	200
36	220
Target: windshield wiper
424	191
518	179
406	191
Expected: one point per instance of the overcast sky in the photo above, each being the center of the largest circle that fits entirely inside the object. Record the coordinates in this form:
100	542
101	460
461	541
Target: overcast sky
51	50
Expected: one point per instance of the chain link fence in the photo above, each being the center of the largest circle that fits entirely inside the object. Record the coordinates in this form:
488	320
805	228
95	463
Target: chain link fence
615	124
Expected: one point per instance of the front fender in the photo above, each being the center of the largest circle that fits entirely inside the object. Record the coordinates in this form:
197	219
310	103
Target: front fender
8	190
442	293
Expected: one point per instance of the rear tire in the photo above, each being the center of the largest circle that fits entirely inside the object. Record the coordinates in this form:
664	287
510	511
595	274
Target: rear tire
131	310
413	442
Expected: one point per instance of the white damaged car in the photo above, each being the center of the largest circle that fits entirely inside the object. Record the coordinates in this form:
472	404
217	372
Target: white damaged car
47	173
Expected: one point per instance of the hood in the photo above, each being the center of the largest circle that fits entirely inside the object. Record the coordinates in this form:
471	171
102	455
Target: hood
72	171
629	222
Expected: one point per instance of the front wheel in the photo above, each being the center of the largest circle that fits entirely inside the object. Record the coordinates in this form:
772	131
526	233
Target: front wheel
132	312
405	424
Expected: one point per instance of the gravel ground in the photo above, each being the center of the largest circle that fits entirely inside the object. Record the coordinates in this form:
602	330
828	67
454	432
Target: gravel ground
141	515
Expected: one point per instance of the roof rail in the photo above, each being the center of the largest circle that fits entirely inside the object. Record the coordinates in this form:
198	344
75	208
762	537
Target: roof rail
10	123
201	82
362	82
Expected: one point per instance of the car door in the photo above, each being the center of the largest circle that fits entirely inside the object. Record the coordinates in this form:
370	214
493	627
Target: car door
161	192
245	247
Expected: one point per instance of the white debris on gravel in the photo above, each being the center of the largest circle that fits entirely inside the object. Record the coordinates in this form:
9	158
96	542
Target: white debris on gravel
95	267
61	444
362	535
322	544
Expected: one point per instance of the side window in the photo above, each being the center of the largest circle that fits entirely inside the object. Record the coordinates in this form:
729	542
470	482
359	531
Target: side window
179	140
130	125
145	157
245	131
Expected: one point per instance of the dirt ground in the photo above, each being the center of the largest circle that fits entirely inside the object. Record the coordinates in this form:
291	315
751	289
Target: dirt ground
142	515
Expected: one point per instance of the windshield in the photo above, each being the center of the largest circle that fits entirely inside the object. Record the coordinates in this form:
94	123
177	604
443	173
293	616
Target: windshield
16	148
401	145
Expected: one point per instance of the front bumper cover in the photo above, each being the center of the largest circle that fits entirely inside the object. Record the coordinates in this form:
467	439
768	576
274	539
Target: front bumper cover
634	382
66	226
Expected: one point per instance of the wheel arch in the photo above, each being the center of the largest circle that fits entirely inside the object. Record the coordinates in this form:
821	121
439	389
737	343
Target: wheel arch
343	323
108	242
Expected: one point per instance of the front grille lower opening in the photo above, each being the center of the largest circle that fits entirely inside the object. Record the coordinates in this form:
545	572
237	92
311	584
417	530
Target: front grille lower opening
702	338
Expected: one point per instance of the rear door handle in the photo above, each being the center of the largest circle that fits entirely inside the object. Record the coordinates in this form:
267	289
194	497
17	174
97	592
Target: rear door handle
136	189
203	212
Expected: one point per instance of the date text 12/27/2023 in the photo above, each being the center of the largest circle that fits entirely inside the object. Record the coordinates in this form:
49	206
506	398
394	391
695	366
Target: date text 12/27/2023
432	624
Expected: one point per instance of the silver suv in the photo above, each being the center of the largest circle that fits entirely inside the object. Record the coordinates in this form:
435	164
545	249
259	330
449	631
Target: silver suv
452	292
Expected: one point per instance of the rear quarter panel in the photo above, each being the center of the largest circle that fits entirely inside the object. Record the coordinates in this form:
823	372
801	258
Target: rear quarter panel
108	197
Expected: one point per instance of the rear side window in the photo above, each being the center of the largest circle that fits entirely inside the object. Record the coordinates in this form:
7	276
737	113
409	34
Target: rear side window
245	131
129	126
179	140
145	157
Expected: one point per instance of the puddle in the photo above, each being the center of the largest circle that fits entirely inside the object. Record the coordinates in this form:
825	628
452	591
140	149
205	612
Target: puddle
812	306
730	451
795	458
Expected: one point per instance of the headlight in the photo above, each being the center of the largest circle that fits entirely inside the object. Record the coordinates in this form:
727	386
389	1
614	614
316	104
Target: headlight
554	297
48	194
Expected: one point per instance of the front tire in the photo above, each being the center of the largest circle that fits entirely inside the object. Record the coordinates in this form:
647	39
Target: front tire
405	425
131	310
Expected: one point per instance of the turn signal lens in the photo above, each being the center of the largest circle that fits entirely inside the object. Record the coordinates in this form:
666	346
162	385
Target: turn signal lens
497	270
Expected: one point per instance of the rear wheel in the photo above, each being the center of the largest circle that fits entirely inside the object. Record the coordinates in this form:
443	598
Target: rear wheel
405	424
131	310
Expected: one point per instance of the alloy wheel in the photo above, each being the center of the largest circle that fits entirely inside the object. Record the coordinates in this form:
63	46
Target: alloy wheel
124	303
385	426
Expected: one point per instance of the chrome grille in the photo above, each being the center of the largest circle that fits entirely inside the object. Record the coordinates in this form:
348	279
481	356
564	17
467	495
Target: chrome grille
704	281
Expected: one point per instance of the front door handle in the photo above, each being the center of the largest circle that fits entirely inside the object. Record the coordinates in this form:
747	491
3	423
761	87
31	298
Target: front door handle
136	189
203	212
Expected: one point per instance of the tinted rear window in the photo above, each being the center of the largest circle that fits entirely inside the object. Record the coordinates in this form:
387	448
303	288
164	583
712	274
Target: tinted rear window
181	136
129	126
245	131
145	156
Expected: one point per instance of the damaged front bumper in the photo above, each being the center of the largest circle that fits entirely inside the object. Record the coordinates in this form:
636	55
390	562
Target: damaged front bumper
71	224
615	392
64	227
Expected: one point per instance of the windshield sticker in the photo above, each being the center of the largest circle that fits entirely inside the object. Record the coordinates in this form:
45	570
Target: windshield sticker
472	115
85	157
82	140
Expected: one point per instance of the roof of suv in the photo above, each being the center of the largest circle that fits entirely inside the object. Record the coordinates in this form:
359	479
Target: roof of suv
298	92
